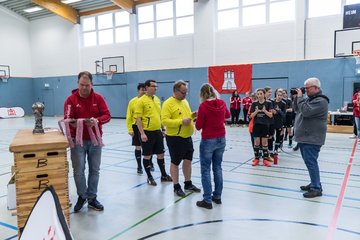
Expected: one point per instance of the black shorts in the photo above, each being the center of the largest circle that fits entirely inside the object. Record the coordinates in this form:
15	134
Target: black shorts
154	144
288	121
136	139
271	130
260	130
180	148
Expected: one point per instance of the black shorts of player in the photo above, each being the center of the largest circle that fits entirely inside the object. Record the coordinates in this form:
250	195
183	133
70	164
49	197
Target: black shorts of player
288	121
260	130
136	139
271	130
154	144
180	148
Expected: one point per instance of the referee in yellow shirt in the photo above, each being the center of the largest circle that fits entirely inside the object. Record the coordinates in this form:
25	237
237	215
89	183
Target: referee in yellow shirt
177	117
147	113
133	129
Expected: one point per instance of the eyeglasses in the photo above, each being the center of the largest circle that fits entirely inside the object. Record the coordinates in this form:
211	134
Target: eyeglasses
155	86
309	87
183	93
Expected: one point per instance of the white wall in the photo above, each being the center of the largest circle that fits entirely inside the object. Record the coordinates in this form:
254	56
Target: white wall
56	50
54	47
14	43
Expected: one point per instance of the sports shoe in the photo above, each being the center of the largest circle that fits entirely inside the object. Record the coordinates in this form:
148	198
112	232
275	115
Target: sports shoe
151	181
192	188
95	204
290	146
140	171
166	178
353	137
79	204
270	158
255	162
216	200
305	188
179	192
312	193
296	148
204	204
266	163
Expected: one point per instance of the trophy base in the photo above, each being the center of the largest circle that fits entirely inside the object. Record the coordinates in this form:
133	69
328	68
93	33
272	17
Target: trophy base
38	131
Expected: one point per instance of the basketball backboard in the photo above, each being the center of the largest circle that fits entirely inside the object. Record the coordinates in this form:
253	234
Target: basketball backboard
346	41
114	64
4	72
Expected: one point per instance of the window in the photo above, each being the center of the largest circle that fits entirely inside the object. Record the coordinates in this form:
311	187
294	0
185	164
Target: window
165	19
106	29
242	13
349	2
319	8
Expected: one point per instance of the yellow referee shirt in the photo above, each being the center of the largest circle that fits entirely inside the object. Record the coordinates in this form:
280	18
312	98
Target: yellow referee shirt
172	113
130	116
148	108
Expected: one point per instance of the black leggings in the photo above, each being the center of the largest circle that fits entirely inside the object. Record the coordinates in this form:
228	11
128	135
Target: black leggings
234	115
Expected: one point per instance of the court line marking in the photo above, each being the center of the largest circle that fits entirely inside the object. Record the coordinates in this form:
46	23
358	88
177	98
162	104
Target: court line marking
332	226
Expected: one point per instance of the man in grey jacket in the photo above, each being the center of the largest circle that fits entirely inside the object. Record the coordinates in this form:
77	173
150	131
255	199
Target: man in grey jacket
310	131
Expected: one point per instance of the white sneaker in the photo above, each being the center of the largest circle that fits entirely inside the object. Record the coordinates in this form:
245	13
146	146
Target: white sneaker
353	136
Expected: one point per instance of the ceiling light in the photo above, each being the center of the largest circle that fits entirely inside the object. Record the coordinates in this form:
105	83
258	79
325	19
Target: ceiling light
32	9
70	1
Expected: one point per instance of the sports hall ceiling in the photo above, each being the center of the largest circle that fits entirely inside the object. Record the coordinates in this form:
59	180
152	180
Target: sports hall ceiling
70	11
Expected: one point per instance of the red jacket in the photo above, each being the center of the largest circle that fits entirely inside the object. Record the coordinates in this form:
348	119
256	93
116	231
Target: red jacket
211	117
93	106
356	107
235	103
246	102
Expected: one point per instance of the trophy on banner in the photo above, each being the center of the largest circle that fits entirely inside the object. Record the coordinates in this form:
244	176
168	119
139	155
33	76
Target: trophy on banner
38	109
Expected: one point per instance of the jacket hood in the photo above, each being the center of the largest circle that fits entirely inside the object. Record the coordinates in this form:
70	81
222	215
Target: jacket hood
319	94
76	92
215	105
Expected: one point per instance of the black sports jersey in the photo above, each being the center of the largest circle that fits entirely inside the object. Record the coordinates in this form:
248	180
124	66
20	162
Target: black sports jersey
288	105
261	117
280	108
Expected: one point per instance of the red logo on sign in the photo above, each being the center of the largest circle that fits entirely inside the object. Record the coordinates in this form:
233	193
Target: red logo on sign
11	112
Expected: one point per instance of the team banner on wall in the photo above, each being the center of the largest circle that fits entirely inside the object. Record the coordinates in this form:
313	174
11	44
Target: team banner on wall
229	78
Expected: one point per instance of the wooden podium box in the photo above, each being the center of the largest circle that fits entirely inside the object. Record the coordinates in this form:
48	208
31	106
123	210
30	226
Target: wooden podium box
40	161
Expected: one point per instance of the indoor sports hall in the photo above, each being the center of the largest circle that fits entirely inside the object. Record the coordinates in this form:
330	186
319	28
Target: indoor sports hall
235	45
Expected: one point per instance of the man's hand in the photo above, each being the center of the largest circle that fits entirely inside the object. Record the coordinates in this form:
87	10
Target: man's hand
299	92
144	138
73	123
186	121
91	122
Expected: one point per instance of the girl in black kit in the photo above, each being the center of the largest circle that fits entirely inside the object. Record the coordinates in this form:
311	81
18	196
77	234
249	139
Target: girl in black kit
279	109
261	113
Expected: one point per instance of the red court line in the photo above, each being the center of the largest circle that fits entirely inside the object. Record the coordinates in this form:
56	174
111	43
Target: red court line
332	226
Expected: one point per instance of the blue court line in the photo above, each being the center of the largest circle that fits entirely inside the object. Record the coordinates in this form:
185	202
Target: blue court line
8	226
12	237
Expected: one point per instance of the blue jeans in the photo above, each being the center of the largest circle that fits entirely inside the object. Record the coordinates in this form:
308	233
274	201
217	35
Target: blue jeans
310	154
211	152
357	123
79	155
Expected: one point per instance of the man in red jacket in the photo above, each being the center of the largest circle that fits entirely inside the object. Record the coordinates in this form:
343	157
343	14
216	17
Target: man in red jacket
85	104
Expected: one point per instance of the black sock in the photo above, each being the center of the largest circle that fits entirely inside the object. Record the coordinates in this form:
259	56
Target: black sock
256	152
138	157
271	144
188	183
147	167
177	186
265	152
161	164
151	163
290	139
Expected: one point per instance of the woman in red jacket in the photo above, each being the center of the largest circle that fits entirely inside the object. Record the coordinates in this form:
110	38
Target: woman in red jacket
235	105
211	119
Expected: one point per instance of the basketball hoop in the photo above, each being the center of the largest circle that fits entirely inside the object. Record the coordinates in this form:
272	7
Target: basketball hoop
357	56
109	74
4	78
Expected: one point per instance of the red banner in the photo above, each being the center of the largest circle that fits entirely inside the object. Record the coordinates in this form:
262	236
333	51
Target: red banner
226	79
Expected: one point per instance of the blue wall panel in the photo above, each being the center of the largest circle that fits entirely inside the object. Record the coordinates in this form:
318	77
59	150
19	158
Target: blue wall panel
336	75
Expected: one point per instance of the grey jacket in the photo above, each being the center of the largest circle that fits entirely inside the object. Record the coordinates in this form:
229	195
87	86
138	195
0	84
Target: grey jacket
311	119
